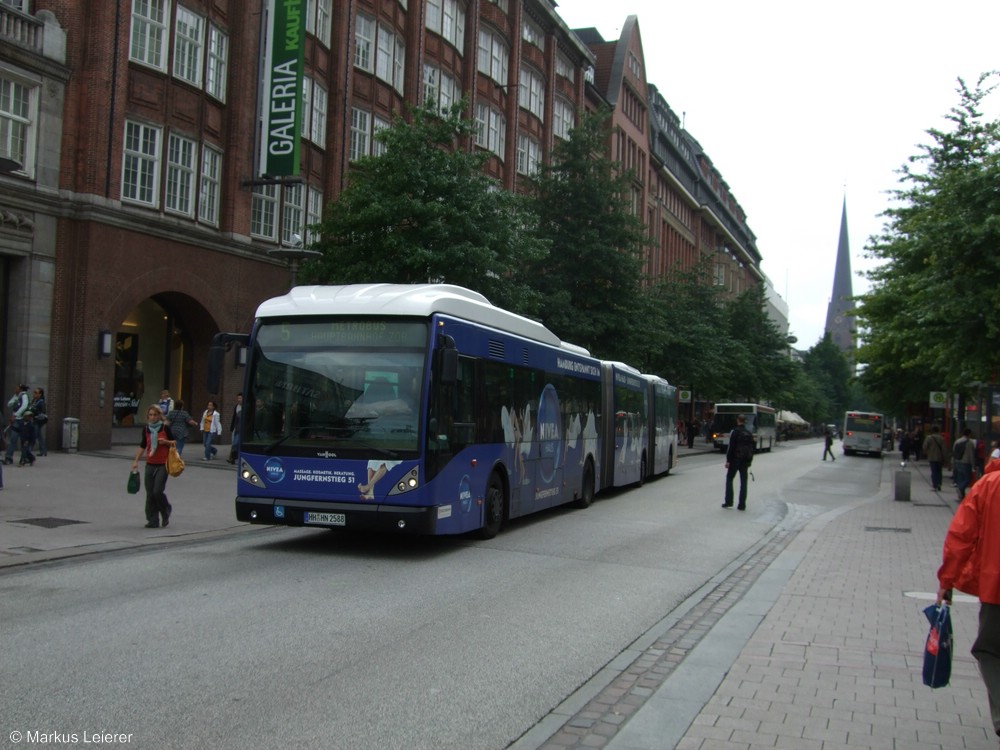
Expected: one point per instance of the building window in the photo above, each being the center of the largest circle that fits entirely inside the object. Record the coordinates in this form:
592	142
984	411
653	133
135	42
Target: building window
318	17
563	118
494	56
149	33
531	93
447	18
189	42
141	164
293	216
720	274
529	155
314	215
179	194
532	34
564	67
364	43
218	63
378	146
317	117
211	178
389	57
491	129
440	89
17	133
360	133
501	4
263	209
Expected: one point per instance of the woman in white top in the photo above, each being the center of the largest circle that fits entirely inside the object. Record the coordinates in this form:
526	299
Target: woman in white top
210	426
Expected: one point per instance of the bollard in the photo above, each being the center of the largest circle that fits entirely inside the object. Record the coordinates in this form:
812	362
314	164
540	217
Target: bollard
901	485
71	434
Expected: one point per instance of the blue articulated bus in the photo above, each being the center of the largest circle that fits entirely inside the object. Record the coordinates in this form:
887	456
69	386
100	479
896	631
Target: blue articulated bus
418	408
626	401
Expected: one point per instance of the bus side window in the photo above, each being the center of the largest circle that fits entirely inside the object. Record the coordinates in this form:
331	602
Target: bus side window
463	430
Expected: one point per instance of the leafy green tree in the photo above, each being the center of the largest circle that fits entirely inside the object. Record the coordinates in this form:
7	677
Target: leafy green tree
931	318
424	210
826	365
684	325
590	280
759	351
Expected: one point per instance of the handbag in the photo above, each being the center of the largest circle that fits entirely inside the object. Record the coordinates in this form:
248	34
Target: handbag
939	646
133	482
175	464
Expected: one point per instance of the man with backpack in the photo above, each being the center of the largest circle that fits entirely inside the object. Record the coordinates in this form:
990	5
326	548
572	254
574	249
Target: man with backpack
963	459
739	456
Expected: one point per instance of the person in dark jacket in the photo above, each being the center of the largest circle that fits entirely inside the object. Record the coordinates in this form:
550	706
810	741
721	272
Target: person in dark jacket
828	447
739	456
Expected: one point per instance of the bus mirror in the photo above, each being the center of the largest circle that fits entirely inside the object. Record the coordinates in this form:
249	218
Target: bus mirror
221	343
447	361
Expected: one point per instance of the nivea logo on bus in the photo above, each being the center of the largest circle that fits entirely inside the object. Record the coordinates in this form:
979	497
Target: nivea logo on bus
465	494
274	470
549	433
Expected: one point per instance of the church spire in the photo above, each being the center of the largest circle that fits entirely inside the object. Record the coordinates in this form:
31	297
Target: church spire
839	314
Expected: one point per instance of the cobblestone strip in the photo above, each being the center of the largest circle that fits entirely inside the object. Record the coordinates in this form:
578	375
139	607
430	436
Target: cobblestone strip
608	711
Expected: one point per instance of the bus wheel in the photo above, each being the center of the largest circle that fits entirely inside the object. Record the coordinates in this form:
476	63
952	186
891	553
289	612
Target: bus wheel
587	490
495	507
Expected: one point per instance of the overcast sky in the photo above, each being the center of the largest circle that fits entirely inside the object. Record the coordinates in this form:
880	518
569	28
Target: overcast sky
800	105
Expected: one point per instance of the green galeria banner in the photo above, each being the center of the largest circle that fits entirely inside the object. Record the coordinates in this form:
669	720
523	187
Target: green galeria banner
282	101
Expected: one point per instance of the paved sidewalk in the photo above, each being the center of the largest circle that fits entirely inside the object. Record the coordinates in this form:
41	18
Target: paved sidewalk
820	649
71	504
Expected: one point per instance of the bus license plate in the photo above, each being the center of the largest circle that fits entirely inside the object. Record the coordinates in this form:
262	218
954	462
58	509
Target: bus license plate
326	519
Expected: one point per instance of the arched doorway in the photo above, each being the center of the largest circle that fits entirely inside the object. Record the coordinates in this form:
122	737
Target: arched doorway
153	352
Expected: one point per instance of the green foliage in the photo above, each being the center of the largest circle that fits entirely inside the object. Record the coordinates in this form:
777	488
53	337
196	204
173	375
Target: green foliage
589	280
931	320
424	210
827	366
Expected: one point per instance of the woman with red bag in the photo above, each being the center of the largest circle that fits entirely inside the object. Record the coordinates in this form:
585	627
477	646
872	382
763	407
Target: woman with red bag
156	441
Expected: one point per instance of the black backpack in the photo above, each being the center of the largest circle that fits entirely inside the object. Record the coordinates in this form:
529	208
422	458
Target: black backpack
744	447
959	450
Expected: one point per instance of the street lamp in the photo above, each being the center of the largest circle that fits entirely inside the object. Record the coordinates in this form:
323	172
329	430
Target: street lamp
294	256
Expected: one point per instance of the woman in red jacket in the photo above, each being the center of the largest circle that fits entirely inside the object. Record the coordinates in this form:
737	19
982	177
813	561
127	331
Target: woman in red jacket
972	564
156	442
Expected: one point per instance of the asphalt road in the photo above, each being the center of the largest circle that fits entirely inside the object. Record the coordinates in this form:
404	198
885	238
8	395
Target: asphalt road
317	639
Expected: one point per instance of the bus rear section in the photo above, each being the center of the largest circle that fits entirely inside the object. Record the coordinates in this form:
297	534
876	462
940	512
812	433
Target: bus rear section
864	432
761	421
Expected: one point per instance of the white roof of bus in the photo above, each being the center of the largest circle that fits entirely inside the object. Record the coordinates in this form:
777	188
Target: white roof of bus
420	300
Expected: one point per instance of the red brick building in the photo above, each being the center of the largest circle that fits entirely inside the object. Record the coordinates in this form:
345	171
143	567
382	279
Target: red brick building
133	221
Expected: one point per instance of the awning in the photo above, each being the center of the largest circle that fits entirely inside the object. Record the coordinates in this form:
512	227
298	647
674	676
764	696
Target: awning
790	417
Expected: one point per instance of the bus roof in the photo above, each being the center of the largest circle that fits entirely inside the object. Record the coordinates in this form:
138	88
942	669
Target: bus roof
419	300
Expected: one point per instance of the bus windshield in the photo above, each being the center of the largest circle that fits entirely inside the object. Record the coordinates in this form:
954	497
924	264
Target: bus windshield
351	387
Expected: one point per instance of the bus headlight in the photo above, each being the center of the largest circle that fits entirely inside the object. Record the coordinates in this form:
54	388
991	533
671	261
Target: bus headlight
248	475
408	483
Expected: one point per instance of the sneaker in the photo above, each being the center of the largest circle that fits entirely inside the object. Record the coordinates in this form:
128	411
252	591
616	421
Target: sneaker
727	505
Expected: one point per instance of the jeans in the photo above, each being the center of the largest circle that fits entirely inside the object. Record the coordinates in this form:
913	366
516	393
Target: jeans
156	498
210	450
936	474
963	478
13	439
986	650
730	473
180	444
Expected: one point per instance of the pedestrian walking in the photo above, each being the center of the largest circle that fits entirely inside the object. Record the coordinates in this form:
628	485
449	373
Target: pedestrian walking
739	456
41	418
18	404
166	403
934	449
971	549
235	428
828	445
211	426
155	446
963	458
27	437
692	433
179	420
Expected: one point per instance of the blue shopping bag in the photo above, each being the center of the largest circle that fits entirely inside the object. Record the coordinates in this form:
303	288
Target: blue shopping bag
937	650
